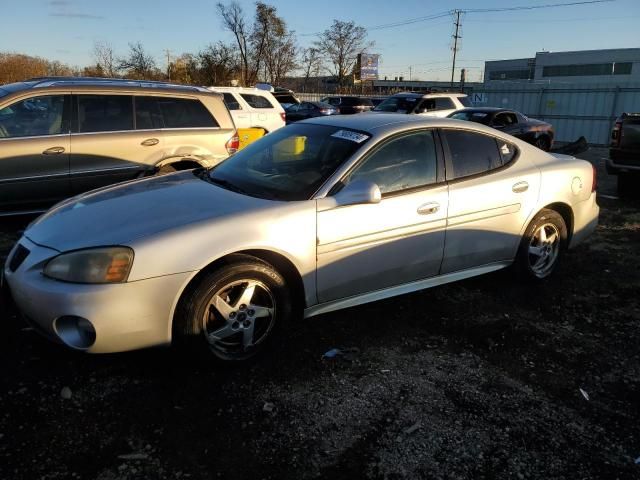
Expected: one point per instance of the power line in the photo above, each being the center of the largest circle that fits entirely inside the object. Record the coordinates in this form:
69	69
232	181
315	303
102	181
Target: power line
534	7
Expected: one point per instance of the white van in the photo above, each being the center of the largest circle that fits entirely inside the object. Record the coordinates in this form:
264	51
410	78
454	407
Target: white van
252	108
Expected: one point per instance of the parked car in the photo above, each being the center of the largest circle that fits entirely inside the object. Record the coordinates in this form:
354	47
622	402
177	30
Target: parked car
322	215
377	100
252	108
349	105
624	152
304	110
427	104
535	132
64	136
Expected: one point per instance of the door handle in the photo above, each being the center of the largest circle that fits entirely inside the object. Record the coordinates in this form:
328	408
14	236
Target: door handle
520	187
53	151
428	208
150	142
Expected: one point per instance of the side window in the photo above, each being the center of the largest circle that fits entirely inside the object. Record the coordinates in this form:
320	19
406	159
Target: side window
256	101
444	103
402	163
185	113
105	113
465	101
427	105
472	153
335	101
231	102
305	106
507	151
294	108
147	113
505	119
38	116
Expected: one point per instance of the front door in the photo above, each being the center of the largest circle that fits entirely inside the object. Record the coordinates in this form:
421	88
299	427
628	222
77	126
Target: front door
362	248
34	152
492	192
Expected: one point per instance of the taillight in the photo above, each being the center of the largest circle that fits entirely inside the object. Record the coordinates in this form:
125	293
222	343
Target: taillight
325	111
616	134
283	115
594	182
233	144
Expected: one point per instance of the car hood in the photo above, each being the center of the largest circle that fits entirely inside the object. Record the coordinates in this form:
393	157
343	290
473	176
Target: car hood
118	214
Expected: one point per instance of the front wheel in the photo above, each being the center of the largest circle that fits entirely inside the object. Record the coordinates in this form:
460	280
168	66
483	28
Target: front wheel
543	143
541	246
236	309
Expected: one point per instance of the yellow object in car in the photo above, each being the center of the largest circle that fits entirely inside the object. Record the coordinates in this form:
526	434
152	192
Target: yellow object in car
249	135
289	148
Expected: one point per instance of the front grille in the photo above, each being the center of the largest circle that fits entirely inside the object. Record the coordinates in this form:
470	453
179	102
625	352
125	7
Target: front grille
18	257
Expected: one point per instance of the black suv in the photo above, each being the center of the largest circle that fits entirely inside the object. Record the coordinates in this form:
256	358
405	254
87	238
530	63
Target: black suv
349	105
624	151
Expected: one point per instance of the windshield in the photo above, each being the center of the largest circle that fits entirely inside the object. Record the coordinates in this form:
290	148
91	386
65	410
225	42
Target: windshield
290	163
480	117
397	104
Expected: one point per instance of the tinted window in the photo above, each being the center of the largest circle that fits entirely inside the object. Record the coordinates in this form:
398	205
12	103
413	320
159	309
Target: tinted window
471	116
290	163
465	101
405	162
256	101
34	117
331	100
444	103
505	118
397	104
185	113
286	98
105	113
147	113
472	153
231	102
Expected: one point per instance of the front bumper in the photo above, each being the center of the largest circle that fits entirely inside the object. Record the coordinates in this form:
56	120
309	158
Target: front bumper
125	316
585	219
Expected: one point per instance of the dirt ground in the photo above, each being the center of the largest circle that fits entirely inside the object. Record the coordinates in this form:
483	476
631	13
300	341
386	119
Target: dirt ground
479	379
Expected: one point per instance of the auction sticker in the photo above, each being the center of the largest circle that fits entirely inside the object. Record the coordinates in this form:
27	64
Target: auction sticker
352	136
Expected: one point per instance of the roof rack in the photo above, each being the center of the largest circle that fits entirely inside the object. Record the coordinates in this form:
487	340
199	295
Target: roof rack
50	81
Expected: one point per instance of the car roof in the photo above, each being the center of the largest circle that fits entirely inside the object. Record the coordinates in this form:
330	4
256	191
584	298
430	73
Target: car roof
370	122
252	90
485	109
428	95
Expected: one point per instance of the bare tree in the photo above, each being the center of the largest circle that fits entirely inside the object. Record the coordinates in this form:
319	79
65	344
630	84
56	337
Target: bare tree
274	46
105	58
341	43
219	63
311	62
234	21
139	64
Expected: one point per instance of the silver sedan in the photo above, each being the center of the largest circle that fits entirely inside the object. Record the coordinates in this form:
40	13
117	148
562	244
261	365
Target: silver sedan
321	215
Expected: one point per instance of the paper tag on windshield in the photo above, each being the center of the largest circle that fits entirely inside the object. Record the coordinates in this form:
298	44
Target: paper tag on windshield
349	135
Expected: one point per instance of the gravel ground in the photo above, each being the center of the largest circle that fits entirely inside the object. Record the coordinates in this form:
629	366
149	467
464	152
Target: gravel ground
481	379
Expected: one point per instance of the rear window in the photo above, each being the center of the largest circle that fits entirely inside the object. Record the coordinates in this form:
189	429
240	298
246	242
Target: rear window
256	101
185	113
231	102
465	101
105	113
286	98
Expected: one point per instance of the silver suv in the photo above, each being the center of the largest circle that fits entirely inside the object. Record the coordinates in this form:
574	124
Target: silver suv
64	136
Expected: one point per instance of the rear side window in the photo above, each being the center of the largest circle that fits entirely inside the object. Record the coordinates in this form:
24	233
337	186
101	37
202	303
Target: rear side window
465	101
256	101
148	113
444	103
105	113
185	113
472	153
231	102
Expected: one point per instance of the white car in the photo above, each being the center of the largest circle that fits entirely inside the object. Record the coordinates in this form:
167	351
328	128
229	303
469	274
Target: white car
252	108
428	105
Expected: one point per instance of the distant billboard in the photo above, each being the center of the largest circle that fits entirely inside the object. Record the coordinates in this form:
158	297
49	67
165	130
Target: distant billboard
367	66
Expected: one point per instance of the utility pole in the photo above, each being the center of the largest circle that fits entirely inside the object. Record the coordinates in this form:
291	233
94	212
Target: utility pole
168	52
410	72
455	44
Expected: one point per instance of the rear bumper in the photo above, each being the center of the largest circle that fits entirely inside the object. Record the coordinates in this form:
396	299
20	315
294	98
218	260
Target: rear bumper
622	161
585	220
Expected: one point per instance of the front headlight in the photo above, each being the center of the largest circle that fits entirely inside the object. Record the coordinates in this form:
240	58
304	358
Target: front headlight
94	265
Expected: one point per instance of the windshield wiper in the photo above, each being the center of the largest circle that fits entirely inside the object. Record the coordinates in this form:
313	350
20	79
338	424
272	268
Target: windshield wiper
226	184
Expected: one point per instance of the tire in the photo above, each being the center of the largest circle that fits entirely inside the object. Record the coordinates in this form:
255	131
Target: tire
235	310
543	143
166	169
538	255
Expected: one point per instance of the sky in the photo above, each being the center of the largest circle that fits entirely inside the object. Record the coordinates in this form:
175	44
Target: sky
66	30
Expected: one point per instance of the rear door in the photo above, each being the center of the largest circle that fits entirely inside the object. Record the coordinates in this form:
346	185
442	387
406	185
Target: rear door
492	192
106	147
363	248
34	152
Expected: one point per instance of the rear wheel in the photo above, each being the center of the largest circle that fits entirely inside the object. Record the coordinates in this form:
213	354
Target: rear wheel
234	311
543	143
541	246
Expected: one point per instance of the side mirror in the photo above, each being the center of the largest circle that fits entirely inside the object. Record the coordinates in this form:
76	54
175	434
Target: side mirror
358	192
